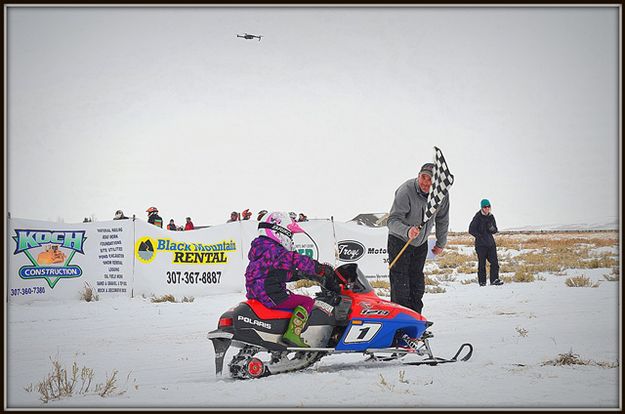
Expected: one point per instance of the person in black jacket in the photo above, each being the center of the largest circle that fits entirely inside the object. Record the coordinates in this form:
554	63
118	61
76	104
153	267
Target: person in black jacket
482	227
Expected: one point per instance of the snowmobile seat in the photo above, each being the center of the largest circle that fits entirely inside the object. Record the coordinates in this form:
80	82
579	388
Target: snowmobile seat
264	312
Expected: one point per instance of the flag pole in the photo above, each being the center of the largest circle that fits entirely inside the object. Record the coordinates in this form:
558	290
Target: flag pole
400	253
404	248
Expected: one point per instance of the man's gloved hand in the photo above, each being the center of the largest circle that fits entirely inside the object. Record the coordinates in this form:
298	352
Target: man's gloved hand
492	229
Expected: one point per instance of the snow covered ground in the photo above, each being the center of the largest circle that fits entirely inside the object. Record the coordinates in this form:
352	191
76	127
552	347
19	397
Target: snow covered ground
164	360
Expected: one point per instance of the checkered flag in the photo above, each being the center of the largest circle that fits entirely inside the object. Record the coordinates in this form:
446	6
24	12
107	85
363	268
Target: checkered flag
441	181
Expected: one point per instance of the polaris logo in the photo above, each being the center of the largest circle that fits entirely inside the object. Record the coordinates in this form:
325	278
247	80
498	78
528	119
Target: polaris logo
350	250
254	322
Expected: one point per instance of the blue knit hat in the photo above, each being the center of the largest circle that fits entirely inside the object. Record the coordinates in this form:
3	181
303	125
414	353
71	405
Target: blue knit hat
484	203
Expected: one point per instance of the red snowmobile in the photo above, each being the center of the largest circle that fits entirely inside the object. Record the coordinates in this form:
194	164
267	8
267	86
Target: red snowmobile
352	320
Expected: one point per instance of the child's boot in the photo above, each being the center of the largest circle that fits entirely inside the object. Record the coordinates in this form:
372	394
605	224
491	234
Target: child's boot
296	325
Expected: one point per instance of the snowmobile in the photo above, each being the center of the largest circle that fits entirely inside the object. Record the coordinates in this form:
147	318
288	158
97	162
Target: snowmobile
353	320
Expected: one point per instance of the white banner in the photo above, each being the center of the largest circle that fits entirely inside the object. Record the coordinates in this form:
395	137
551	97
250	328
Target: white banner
54	260
317	242
133	258
194	263
367	246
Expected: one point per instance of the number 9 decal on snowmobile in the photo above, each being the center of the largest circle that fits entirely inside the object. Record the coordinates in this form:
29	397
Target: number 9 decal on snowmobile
352	320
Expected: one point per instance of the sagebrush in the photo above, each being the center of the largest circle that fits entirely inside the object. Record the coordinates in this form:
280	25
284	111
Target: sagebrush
62	382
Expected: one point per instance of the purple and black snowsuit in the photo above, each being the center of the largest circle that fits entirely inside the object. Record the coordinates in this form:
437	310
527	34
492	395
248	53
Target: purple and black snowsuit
271	267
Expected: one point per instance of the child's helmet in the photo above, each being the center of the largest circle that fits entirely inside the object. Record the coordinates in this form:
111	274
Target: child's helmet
280	227
152	210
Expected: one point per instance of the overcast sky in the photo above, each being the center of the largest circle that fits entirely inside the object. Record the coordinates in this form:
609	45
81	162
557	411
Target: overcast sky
129	107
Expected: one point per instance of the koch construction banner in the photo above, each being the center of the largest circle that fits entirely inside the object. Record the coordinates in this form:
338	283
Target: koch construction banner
188	263
57	261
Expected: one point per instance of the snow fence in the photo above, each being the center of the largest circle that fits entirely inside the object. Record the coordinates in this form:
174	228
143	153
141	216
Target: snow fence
49	260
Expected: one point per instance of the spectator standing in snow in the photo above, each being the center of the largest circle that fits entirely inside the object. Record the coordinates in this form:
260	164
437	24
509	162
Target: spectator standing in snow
189	224
234	216
482	227
154	218
406	275
172	225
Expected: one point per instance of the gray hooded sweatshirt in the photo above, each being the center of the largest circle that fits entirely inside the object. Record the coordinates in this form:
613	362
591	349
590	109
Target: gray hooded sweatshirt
407	211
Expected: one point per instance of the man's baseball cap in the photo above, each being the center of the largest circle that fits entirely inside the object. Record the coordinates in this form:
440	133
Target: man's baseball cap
427	168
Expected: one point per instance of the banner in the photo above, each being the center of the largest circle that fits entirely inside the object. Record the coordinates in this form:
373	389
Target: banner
317	242
56	260
133	258
194	263
366	246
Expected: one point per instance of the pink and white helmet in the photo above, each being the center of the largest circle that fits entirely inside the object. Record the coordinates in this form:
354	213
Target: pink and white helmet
280	227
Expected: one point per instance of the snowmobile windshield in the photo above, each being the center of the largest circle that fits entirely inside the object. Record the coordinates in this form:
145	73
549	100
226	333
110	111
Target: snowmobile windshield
356	280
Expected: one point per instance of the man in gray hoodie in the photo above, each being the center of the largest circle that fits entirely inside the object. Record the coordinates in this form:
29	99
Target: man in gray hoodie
406	275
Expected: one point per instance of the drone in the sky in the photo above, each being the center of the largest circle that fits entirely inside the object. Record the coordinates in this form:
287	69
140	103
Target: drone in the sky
250	36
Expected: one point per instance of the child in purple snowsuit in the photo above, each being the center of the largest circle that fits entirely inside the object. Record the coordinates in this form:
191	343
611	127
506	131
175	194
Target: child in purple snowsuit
273	263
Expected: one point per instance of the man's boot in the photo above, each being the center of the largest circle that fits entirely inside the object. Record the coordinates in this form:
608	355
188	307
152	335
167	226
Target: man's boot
296	325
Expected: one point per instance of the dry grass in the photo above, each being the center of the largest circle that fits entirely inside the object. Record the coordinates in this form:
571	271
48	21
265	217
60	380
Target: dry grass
469	281
523	275
435	289
304	283
521	331
108	386
452	260
88	294
62	383
429	281
580	281
573	359
384	284
446	277
467	269
165	298
598	263
461	241
506	278
440	272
